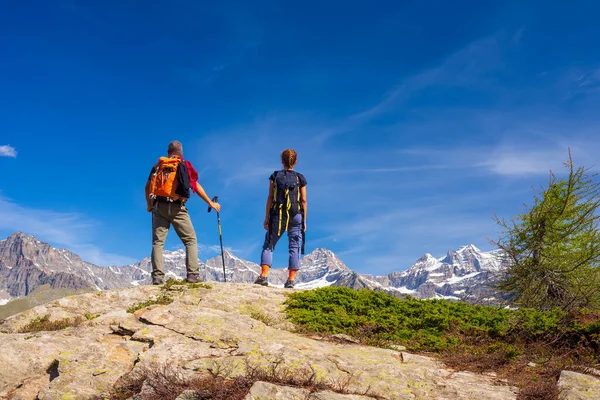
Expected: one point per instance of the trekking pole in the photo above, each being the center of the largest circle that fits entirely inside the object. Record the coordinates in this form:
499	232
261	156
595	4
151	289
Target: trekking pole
216	200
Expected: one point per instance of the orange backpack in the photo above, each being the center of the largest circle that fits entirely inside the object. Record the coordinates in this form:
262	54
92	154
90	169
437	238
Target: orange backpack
164	179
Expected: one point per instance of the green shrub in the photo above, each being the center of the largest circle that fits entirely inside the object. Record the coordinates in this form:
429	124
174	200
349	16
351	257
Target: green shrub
431	325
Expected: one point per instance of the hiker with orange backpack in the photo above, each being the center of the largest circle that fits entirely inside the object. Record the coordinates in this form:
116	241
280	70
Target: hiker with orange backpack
171	181
285	212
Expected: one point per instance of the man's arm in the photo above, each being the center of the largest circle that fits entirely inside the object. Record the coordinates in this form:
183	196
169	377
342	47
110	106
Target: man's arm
200	191
148	201
304	203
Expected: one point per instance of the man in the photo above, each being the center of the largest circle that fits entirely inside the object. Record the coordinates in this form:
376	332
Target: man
167	190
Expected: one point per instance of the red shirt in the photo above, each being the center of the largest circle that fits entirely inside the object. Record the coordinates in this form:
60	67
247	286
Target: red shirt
192	173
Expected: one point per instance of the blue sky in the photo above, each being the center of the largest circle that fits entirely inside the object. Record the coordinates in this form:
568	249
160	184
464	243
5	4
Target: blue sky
414	121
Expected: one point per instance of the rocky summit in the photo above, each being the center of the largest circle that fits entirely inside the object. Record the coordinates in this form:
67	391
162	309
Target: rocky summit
225	328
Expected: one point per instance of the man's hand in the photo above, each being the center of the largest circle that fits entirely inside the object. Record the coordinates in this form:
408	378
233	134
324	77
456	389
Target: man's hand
304	226
215	206
266	224
149	207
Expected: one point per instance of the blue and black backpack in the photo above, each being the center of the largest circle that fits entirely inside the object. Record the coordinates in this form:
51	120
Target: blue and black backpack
286	194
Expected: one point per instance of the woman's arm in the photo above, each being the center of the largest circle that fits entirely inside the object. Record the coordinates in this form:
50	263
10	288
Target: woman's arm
304	203
268	207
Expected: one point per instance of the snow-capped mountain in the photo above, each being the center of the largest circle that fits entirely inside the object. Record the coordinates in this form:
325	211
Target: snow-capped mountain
26	263
464	274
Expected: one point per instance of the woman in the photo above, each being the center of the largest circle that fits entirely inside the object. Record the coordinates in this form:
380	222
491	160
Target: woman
285	212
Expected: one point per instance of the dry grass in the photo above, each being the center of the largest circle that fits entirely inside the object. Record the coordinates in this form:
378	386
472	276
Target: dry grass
535	382
166	381
44	323
262	317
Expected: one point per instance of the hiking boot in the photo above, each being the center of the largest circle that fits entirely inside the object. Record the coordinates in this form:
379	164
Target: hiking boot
193	278
289	284
262	280
157	281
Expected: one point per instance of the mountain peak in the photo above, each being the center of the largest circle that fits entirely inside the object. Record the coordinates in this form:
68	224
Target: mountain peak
20	236
468	248
426	257
322	252
23	239
427	262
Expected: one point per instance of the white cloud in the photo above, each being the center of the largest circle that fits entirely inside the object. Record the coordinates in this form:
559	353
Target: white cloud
8	151
71	230
520	156
513	161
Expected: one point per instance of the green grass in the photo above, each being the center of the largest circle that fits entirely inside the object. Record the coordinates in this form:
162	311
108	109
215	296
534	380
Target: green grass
90	317
168	285
162	299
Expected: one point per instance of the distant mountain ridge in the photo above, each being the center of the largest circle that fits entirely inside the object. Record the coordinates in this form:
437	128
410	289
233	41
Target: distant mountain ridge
27	263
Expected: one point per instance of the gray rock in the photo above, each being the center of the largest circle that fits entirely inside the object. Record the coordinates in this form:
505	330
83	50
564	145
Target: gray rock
345	338
264	391
575	386
191	395
329	395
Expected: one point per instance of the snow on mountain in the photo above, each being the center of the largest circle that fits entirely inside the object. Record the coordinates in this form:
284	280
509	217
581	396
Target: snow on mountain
26	263
467	274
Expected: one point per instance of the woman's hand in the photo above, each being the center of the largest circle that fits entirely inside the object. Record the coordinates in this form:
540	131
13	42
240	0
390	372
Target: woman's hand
266	224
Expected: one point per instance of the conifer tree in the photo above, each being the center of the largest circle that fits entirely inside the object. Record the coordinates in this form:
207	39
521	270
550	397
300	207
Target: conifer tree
554	245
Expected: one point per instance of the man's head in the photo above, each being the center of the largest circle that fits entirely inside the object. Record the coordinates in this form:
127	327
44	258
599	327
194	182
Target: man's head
175	149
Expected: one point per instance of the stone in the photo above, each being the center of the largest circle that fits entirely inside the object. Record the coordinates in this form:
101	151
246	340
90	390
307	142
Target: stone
576	386
329	395
190	395
264	391
345	338
122	330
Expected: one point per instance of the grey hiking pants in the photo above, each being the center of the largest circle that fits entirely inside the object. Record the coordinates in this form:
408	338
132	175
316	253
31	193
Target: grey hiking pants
163	215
